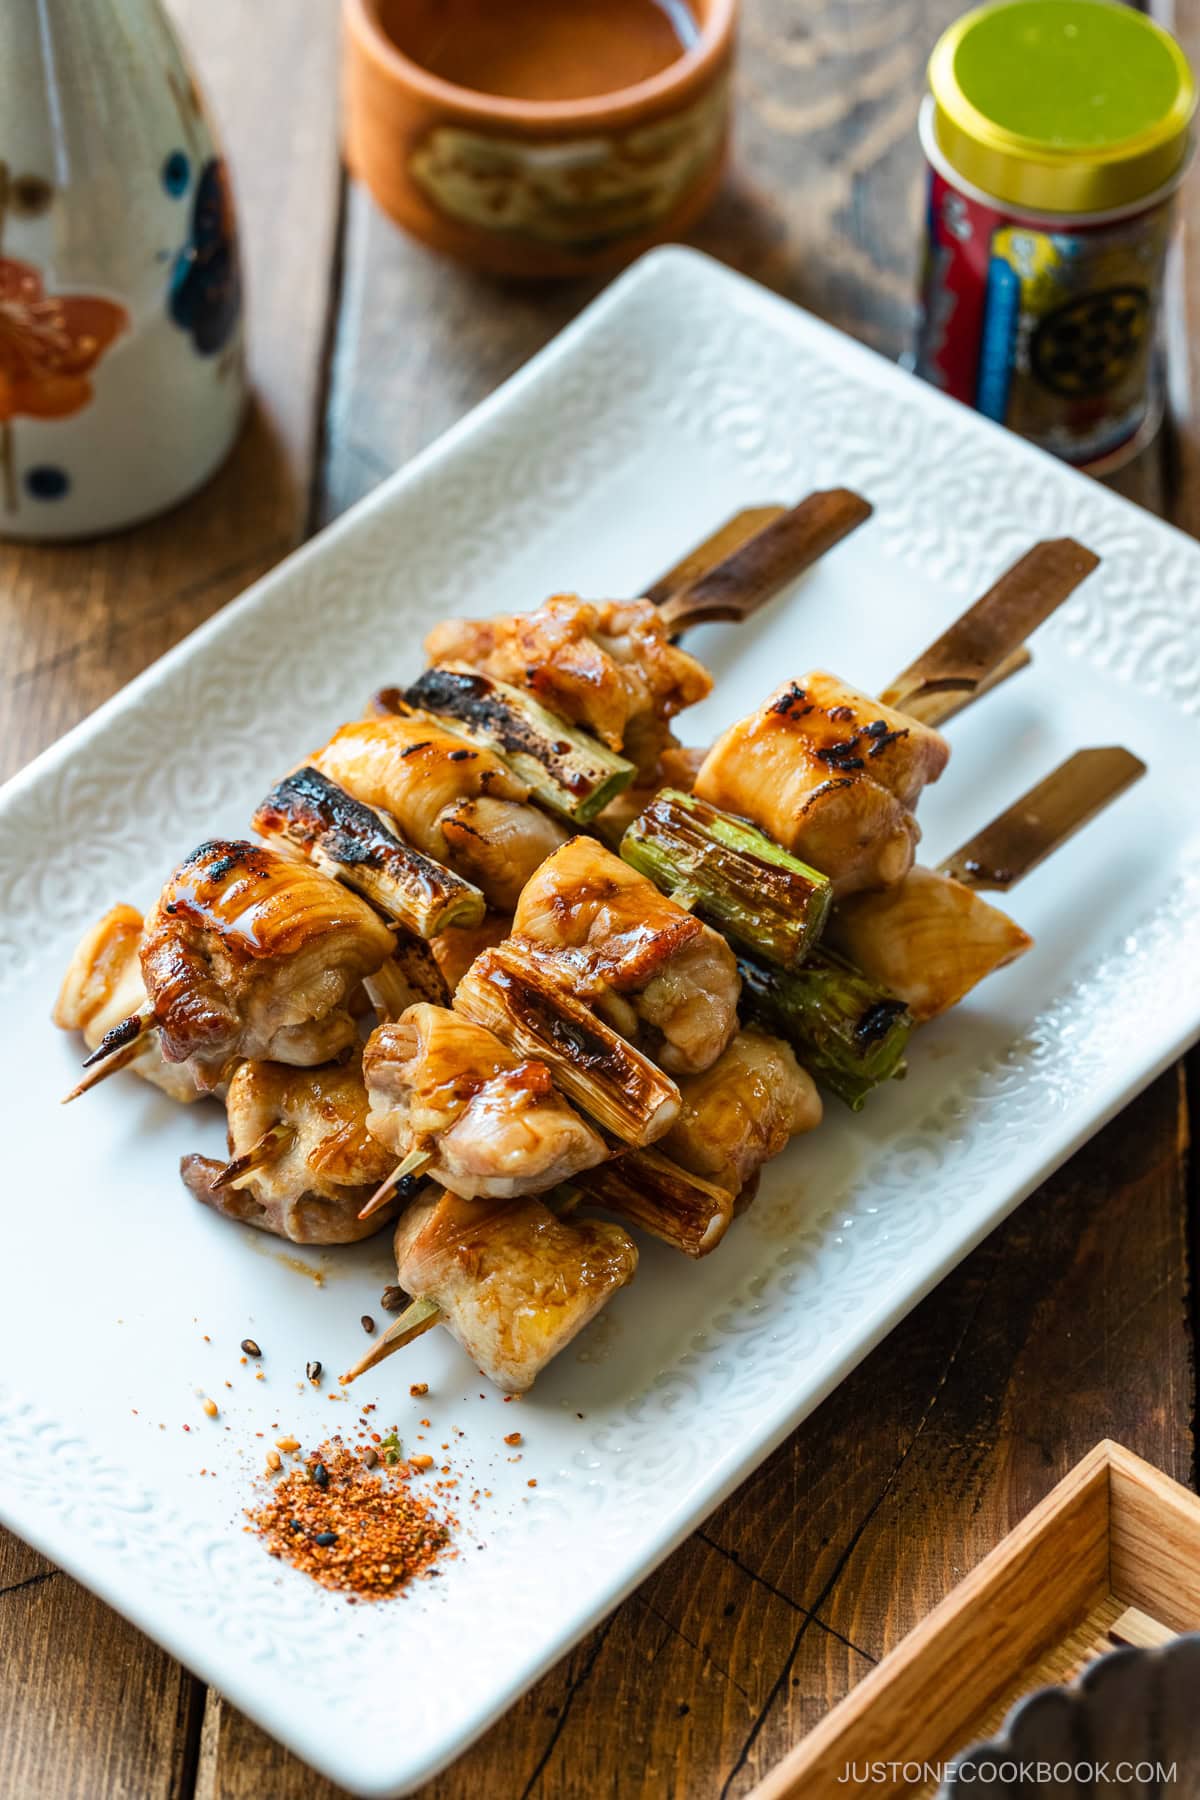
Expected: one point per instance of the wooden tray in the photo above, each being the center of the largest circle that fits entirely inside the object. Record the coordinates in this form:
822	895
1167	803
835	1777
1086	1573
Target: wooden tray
1110	1557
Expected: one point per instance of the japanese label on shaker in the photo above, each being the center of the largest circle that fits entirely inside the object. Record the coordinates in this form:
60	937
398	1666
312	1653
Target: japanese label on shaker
1049	331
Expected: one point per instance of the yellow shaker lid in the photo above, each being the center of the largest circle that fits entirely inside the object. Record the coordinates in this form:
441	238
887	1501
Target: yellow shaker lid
1062	106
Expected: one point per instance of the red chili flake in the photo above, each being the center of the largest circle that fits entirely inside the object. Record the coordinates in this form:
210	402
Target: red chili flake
532	1482
514	1437
363	1532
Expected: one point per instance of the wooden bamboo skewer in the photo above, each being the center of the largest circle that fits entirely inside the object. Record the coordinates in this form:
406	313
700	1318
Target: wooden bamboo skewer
1042	820
411	1168
121	1060
275	1142
973	653
763	562
715	548
421	1316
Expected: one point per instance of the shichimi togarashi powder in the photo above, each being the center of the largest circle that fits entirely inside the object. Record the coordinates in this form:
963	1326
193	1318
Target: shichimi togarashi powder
361	1531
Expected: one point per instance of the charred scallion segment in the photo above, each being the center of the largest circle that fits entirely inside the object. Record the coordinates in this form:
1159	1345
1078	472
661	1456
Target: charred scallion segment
649	1190
350	841
567	769
848	1031
723	869
510	990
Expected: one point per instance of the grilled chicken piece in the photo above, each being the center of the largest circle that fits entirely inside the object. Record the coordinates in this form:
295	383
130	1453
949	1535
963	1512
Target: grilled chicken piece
608	665
103	985
830	774
658	975
740	1113
455	801
312	1189
251	954
515	1283
456	948
930	939
493	1120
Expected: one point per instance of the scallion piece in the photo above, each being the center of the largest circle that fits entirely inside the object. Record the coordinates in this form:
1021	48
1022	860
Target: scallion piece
766	901
848	1031
566	769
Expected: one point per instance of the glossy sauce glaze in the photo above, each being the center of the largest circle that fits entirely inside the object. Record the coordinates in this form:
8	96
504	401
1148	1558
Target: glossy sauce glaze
541	49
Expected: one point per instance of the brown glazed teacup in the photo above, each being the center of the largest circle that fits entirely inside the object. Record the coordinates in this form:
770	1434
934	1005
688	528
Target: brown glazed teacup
537	187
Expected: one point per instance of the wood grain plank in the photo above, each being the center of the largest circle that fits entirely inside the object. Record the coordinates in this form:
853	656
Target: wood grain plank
638	1708
87	1705
1067	1326
79	620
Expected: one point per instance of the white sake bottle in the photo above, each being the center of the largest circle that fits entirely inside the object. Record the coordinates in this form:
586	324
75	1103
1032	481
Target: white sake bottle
122	380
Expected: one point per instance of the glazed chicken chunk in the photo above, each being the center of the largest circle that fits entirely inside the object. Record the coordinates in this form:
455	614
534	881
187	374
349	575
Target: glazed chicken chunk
248	953
740	1113
455	801
515	1284
324	1164
830	774
931	940
659	976
607	665
103	985
493	1120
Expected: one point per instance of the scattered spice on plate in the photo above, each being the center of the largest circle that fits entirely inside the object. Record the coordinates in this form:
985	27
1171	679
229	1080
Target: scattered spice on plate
418	1388
211	1408
250	1347
421	1462
367	1323
313	1371
364	1532
393	1299
514	1437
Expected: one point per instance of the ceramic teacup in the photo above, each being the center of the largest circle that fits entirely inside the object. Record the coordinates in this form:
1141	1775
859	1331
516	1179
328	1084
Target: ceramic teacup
537	187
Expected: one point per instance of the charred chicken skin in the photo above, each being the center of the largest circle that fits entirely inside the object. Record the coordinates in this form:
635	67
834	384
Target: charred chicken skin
103	985
930	939
328	1164
515	1284
661	977
492	1120
742	1111
607	665
251	954
830	774
455	801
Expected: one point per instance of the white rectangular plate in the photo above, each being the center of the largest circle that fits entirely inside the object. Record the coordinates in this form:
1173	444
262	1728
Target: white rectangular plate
682	394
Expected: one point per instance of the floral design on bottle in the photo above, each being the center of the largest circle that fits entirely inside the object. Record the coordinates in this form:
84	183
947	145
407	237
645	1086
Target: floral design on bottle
49	343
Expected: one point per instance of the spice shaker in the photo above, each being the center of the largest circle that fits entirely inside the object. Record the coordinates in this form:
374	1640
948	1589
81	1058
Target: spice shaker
1056	133
121	374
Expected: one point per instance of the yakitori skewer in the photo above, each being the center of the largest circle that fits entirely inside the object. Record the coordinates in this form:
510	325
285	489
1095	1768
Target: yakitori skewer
247	953
513	1282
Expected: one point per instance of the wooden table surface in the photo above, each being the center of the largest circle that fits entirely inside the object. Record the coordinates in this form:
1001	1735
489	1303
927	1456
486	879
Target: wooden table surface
1072	1322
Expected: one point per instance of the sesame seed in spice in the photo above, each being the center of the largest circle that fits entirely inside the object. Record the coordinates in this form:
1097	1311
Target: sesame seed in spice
364	1533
